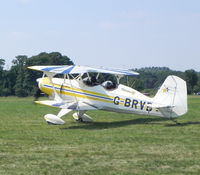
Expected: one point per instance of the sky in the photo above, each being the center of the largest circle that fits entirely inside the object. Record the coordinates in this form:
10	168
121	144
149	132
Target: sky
111	33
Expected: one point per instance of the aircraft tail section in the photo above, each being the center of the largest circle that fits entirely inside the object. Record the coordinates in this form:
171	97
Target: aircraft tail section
171	98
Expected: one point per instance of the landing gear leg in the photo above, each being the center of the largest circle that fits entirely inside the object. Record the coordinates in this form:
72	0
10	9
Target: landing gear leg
80	116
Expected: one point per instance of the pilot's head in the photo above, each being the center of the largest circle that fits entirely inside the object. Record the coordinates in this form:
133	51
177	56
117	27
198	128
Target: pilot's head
93	79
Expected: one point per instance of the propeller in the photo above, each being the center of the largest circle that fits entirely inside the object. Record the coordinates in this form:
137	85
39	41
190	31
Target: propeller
37	94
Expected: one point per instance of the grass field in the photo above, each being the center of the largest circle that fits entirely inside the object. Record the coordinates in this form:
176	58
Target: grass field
114	144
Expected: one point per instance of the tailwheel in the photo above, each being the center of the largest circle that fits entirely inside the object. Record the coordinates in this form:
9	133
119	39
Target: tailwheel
81	117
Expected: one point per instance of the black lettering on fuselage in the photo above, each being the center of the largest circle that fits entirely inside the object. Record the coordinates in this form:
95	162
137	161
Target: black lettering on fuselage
127	102
116	100
142	105
134	103
149	108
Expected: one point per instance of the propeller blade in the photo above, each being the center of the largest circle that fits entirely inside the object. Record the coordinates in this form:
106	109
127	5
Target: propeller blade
37	94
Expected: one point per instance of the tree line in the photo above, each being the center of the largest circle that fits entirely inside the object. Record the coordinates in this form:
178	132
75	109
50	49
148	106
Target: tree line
151	78
20	81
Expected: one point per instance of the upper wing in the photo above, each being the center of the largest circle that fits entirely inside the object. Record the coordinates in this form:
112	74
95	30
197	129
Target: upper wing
80	70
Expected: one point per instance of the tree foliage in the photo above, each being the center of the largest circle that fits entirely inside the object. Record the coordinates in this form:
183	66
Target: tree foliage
191	78
152	78
21	81
2	63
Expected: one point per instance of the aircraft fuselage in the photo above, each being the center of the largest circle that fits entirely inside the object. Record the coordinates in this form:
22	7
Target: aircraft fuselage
121	99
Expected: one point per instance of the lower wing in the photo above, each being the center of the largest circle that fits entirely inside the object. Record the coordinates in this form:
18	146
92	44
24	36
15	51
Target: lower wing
69	105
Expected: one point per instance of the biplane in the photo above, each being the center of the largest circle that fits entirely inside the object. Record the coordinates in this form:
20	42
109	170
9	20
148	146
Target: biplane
82	88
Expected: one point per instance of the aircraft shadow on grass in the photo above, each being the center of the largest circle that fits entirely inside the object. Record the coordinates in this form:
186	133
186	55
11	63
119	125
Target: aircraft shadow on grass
182	124
138	121
117	124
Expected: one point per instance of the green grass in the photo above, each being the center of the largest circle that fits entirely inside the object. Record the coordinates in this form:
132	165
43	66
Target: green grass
114	144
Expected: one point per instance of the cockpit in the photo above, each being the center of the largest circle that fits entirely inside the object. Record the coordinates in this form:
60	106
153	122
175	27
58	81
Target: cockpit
109	82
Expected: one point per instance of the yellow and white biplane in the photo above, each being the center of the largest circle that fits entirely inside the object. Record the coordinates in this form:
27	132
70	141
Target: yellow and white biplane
82	88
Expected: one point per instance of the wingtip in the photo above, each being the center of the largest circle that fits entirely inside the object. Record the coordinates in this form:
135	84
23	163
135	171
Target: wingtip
33	67
30	67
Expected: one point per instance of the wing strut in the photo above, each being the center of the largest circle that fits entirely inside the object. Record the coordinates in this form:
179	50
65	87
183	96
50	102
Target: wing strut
57	97
72	89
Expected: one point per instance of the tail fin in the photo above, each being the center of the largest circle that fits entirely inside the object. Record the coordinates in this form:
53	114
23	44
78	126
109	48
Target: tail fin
171	98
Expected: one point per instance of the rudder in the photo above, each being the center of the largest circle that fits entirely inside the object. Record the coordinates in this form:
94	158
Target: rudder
172	97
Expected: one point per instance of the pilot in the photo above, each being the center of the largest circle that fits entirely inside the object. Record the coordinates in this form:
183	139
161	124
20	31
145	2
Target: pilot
90	81
108	85
87	81
93	81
